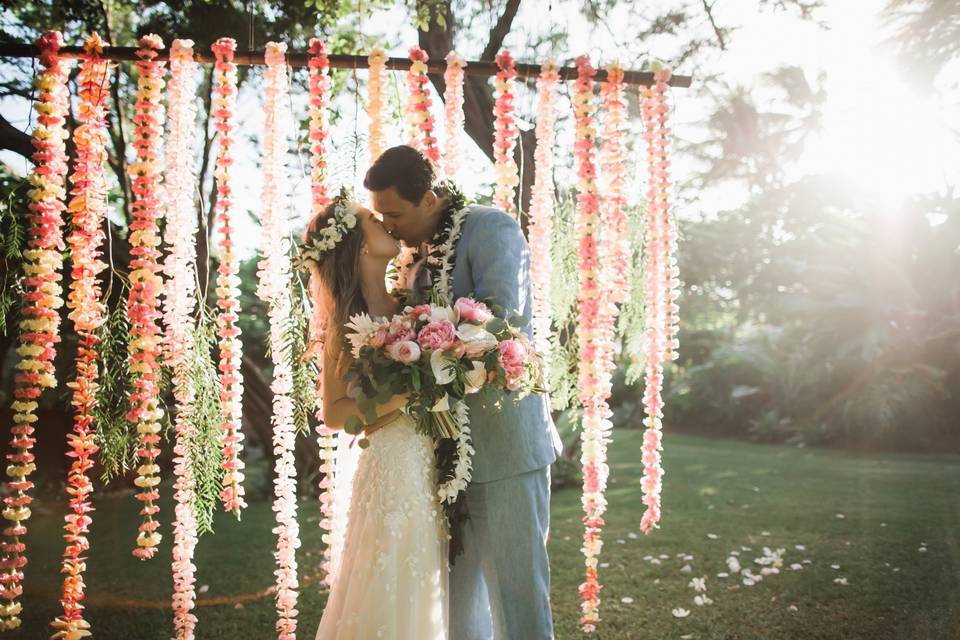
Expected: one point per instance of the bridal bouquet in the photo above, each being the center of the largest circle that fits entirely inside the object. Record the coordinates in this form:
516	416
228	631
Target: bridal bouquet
439	354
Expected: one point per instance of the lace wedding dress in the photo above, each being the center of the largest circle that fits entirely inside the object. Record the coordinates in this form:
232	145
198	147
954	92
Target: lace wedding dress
392	577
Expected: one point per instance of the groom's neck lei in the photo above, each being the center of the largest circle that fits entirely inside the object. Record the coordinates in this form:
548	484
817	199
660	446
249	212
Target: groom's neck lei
441	248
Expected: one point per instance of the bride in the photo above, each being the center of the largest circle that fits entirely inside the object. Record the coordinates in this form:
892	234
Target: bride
390	579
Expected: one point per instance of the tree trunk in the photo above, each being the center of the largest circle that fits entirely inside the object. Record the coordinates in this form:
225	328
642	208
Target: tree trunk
478	97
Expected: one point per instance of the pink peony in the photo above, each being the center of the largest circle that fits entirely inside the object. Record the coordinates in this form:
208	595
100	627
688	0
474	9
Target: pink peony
472	311
400	334
437	335
512	354
405	351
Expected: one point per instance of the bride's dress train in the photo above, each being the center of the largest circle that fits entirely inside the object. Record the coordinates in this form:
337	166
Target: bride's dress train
393	573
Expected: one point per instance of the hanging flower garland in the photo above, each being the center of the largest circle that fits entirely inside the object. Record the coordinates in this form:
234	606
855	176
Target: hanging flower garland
319	67
378	68
594	381
541	204
422	134
613	248
144	349
274	274
180	267
40	322
661	286
453	112
88	208
228	282
505	133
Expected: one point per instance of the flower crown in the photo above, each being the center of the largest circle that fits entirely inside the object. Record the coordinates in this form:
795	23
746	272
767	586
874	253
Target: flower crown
319	244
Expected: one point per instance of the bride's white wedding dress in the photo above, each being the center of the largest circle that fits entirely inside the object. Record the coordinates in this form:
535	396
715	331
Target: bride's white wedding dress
392	577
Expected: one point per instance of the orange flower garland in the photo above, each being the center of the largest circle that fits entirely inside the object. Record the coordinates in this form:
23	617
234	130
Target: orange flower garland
422	133
594	379
661	285
541	204
453	113
88	208
180	300
40	322
228	282
378	67
144	349
505	134
319	127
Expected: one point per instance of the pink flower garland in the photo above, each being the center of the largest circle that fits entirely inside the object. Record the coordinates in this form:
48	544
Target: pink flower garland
40	322
378	67
541	204
274	275
228	282
319	102
661	290
143	305
505	134
319	127
422	132
453	112
179	302
88	208
594	379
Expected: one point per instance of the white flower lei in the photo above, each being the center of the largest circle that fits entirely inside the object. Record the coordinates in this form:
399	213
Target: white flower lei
441	293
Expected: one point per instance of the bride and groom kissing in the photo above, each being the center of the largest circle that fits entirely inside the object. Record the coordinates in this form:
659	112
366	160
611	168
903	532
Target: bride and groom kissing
396	576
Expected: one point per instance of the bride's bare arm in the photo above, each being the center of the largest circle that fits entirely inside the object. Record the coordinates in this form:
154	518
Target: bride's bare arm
337	406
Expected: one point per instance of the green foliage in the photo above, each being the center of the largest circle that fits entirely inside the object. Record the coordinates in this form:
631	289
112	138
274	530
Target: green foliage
13	223
204	454
563	359
115	435
306	400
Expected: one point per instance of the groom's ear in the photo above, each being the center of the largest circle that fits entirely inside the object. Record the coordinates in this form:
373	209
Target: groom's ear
429	201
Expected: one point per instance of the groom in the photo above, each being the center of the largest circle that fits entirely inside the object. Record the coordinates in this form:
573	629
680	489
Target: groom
500	586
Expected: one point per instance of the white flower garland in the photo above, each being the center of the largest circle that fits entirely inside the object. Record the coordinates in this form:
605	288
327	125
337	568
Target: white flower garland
274	274
180	300
442	294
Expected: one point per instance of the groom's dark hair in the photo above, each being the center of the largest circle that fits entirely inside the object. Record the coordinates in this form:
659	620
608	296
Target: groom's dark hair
403	168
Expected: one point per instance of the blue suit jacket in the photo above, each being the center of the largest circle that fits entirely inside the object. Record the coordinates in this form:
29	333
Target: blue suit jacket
510	436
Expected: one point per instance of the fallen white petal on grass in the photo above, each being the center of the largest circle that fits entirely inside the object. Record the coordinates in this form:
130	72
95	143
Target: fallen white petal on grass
203	588
835	567
764	533
680	612
799	547
796	566
626	600
702	600
698	584
621	541
723	574
632	535
840	516
686	569
793	607
842	581
922	549
604	565
712	536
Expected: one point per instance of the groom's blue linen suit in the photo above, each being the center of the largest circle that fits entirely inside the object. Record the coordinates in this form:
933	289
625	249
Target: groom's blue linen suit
500	585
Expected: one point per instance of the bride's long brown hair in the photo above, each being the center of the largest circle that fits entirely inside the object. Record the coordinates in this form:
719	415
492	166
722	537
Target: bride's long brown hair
334	284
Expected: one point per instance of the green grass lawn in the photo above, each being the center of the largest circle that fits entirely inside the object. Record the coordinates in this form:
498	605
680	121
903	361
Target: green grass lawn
868	515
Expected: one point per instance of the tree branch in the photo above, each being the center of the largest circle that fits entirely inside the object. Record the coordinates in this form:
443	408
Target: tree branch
15	140
500	30
716	29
